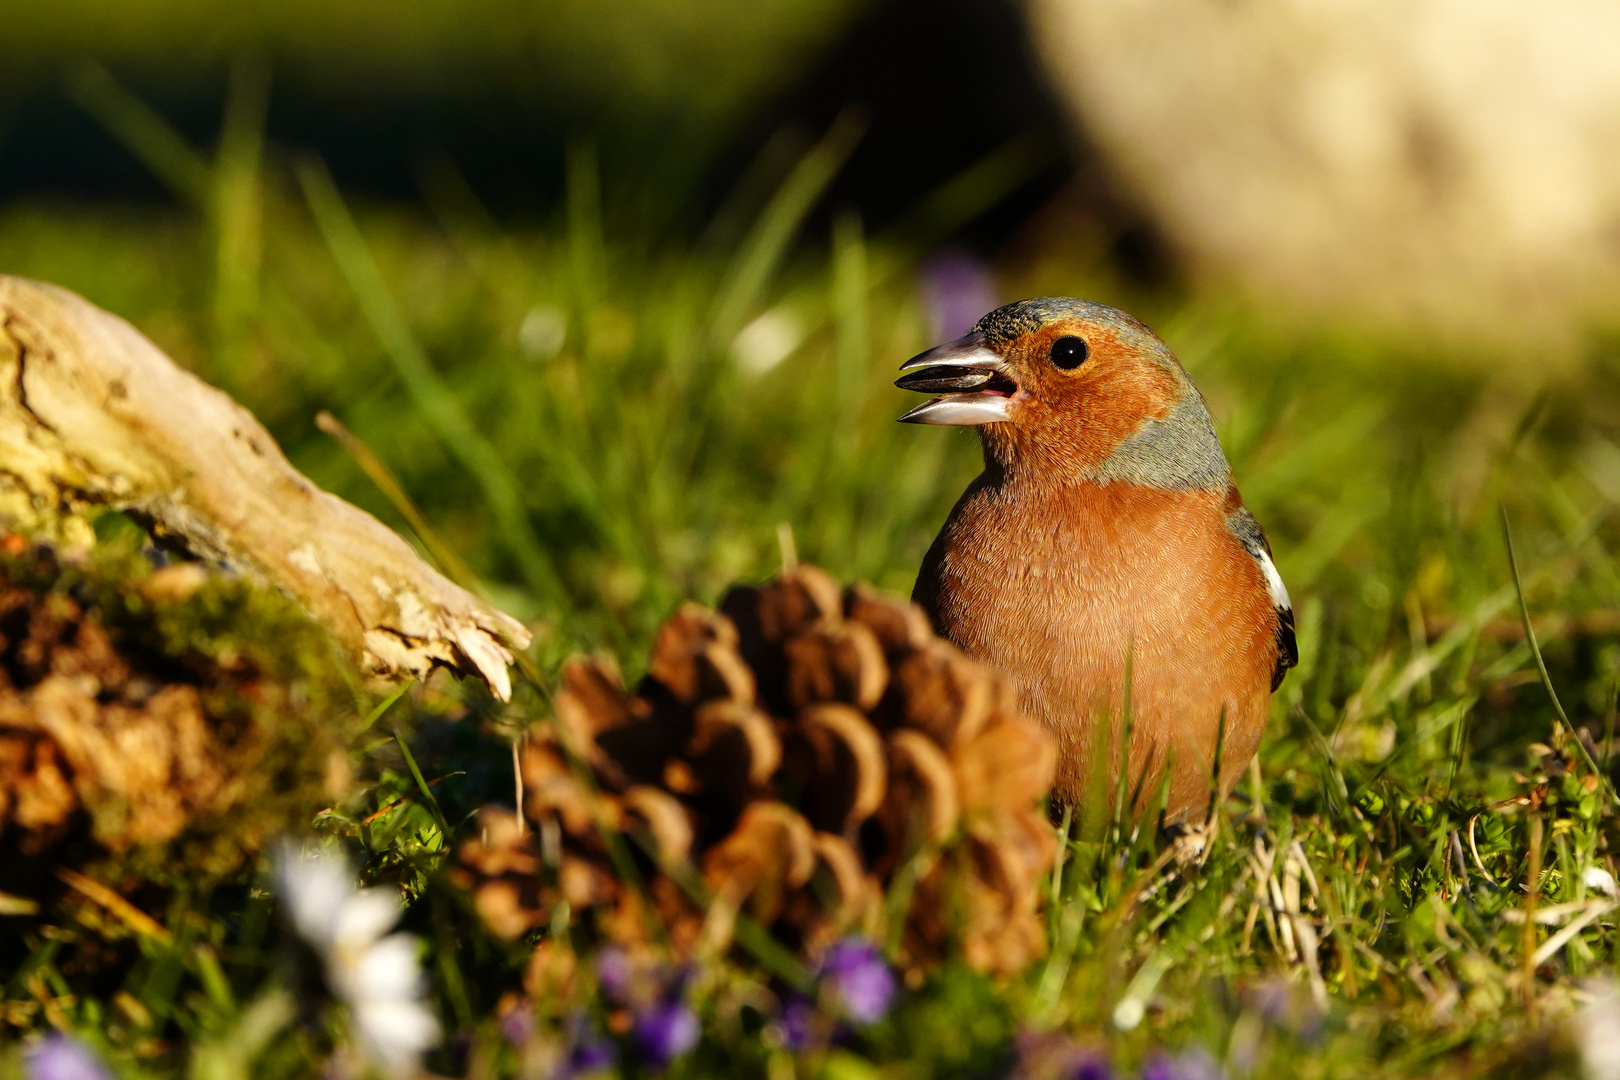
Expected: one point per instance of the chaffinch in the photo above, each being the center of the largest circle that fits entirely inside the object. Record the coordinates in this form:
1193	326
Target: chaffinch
1104	540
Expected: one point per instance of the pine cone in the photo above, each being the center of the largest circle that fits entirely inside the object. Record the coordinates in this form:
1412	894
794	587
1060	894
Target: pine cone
791	756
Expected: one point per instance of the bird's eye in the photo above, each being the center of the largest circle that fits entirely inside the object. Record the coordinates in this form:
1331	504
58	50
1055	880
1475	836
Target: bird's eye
1069	353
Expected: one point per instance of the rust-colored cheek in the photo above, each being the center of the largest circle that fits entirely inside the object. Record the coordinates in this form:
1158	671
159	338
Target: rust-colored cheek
1072	424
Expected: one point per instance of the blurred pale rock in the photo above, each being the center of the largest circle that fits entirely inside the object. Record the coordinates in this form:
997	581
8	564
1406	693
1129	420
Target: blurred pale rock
1597	1030
1450	164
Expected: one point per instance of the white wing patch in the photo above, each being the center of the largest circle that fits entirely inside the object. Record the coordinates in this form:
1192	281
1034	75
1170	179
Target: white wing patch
1253	538
1274	581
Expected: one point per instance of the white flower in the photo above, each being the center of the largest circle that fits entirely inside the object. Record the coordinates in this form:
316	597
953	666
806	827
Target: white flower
1600	880
376	976
767	341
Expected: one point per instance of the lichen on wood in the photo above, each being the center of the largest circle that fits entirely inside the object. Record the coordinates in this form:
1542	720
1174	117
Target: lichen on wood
93	416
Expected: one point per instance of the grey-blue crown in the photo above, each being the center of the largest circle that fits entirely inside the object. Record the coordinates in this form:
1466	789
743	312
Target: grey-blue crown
1011	321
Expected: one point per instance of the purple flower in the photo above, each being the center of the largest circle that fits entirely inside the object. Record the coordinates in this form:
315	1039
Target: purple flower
616	974
666	1031
1281	1006
62	1057
958	290
1273	999
591	1054
1052	1055
1090	1066
517	1026
588	1052
796	1022
1193	1063
855	972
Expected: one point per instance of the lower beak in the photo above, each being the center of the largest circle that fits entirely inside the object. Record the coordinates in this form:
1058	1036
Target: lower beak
978	387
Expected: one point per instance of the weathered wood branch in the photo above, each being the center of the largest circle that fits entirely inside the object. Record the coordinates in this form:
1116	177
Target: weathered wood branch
93	415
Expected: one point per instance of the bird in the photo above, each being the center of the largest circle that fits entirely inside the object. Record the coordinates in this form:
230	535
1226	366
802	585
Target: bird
1104	561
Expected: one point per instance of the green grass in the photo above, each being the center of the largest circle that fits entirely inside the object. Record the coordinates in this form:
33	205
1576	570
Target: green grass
594	482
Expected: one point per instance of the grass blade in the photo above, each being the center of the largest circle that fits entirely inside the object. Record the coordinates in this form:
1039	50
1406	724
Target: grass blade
237	197
379	473
144	133
1541	664
767	244
385	704
433	397
422	786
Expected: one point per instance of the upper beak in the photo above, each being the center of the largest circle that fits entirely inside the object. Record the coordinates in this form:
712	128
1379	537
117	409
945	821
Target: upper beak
982	386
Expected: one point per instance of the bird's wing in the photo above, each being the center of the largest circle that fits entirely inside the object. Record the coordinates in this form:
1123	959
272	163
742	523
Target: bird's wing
1248	530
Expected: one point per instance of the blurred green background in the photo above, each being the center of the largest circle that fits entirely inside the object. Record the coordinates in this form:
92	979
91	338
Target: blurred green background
569	215
674	72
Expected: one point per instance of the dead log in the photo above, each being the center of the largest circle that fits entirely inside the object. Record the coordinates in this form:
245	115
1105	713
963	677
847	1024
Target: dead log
93	416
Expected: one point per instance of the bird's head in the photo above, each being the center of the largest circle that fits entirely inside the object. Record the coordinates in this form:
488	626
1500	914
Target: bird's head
1070	391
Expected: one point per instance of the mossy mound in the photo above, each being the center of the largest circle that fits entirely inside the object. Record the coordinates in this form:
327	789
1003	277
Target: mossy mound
158	726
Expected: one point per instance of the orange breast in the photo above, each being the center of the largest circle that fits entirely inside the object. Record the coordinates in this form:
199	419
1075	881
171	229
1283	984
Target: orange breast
1063	590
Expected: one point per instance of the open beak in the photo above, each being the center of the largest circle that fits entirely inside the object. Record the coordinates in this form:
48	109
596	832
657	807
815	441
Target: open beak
976	385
